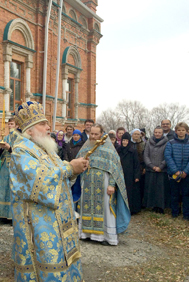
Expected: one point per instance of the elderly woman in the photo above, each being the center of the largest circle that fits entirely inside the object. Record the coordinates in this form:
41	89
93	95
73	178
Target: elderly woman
61	145
138	144
156	175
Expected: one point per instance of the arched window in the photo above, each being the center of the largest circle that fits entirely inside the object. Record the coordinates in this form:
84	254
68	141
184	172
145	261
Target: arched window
96	27
83	21
72	14
71	69
16	69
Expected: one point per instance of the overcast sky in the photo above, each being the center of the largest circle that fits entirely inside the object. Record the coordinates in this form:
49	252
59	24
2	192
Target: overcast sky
144	52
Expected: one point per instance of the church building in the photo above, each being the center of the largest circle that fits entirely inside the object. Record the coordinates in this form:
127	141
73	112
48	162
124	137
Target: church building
33	68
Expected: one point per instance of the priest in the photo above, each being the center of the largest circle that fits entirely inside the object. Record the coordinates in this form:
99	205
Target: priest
103	206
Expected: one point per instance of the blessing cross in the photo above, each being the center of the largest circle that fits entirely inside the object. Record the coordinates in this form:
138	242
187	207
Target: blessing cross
96	145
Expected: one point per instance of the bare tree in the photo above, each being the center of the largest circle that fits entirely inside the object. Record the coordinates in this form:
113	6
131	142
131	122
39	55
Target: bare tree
174	112
133	113
110	120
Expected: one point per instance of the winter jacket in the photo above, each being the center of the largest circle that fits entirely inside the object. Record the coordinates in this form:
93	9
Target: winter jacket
62	152
116	145
170	135
72	149
177	155
154	154
84	135
139	146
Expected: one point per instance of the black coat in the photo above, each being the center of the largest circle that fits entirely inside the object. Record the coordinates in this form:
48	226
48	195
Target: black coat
116	145
72	150
140	146
62	153
131	171
84	135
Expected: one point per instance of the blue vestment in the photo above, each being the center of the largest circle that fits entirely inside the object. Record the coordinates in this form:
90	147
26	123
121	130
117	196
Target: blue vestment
46	246
5	202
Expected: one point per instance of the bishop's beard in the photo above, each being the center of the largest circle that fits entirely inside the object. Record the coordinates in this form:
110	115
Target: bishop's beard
45	142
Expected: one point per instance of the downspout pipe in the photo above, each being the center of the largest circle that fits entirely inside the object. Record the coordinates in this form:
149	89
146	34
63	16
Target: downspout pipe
58	62
46	53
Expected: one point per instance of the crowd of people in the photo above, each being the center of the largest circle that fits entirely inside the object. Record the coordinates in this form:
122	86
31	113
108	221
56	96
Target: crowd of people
51	189
151	182
155	169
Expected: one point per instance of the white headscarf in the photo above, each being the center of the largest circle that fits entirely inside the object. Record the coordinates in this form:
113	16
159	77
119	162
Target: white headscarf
136	129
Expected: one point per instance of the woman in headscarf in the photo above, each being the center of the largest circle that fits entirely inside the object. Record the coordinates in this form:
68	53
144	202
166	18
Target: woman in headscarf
61	145
72	149
60	138
74	145
156	175
131	170
138	144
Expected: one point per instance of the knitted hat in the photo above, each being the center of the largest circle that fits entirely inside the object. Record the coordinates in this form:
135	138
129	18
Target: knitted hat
77	131
143	130
126	135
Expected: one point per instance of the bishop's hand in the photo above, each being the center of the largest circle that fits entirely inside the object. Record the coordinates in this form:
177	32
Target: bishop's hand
79	165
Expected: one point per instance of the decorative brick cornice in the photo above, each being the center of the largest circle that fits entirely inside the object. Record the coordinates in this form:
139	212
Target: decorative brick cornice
87	105
61	101
83	9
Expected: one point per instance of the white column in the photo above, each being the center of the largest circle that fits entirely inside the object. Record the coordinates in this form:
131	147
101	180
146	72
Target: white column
28	84
76	96
64	89
29	66
7	85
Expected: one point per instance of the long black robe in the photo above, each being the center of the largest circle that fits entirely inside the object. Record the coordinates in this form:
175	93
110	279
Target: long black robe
131	170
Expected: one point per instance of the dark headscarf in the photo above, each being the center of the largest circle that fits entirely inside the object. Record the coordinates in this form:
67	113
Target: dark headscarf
123	150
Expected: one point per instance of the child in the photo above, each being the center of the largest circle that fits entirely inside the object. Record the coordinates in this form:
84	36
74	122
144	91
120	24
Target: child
177	159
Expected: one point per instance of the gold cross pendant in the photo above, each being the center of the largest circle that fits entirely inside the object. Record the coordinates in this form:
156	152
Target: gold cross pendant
88	170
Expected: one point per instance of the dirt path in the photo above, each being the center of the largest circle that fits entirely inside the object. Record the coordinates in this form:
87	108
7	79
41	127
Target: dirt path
154	248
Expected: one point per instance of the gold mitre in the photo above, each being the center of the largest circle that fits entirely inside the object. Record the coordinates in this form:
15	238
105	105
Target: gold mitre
28	114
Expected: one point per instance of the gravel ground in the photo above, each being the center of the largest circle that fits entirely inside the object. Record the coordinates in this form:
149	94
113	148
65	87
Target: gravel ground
141	255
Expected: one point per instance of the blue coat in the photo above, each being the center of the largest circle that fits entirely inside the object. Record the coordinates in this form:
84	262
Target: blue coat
177	155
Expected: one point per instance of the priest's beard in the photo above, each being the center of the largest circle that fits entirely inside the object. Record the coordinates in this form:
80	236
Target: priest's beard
45	141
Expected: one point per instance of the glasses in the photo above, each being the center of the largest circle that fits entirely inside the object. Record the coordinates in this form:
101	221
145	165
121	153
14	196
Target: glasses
165	123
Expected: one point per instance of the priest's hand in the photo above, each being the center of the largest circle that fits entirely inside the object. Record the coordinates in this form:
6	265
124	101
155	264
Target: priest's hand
110	190
79	165
6	146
